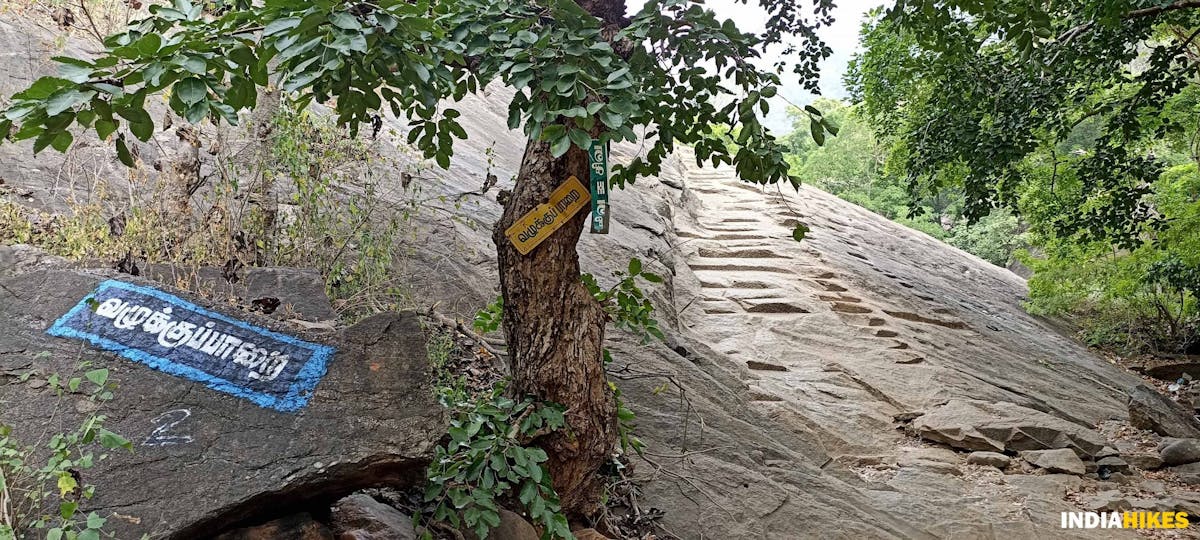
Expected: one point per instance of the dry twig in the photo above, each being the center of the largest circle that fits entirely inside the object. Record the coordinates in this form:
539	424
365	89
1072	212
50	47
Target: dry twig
458	326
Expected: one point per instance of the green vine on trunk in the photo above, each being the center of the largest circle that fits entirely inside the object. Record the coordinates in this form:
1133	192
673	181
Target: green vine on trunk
629	308
626	303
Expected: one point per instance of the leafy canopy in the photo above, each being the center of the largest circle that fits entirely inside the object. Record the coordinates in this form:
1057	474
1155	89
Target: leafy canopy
970	90
672	68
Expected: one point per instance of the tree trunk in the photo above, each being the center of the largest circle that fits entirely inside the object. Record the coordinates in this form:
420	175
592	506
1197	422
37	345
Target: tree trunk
555	329
555	332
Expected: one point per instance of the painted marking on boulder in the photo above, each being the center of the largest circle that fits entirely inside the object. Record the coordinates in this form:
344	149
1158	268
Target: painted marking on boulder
175	336
536	226
165	422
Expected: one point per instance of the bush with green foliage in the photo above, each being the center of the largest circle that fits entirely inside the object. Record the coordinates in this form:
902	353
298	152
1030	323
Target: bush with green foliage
1133	300
489	459
854	165
1079	119
310	200
994	238
42	485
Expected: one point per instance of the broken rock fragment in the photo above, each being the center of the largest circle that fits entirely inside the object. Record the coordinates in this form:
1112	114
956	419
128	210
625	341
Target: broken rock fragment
1059	460
1000	426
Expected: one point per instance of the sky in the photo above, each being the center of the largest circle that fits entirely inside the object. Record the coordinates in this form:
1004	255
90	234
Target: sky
841	36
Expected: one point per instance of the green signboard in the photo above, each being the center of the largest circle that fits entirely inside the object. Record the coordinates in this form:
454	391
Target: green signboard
598	163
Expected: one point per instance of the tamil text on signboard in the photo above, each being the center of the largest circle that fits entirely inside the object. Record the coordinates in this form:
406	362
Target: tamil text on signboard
178	337
536	226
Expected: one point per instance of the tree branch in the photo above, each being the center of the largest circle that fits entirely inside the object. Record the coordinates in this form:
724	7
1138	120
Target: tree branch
458	326
1075	31
1151	11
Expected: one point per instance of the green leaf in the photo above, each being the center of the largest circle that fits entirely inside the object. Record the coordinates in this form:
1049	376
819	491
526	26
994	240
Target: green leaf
304	79
42	88
196	112
243	56
191	90
612	119
54	534
75	73
168	13
560	146
471	517
422	72
799	232
97	376
94	521
514	118
635	266
386	22
529	490
620	85
43	141
345	21
225	111
123	151
19	111
109	89
148	45
459	497
111	440
143	131
140	123
85	117
280	25
88	534
295	50
580	138
829	126
65	99
62	141
560	526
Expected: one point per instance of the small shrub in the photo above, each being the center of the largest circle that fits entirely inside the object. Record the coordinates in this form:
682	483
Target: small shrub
487	460
50	476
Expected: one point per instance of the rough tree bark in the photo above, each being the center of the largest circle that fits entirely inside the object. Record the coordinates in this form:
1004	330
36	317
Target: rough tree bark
555	332
555	329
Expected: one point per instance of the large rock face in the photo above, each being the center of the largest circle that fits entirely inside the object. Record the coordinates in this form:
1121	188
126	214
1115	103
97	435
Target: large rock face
788	363
798	357
204	459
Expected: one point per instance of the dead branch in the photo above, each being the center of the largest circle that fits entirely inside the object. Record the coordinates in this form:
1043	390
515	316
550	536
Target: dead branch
458	326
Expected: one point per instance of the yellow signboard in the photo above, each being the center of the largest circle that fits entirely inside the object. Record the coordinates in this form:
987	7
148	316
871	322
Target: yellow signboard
536	226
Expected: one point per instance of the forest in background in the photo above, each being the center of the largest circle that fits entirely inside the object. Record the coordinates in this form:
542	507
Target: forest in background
1134	296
